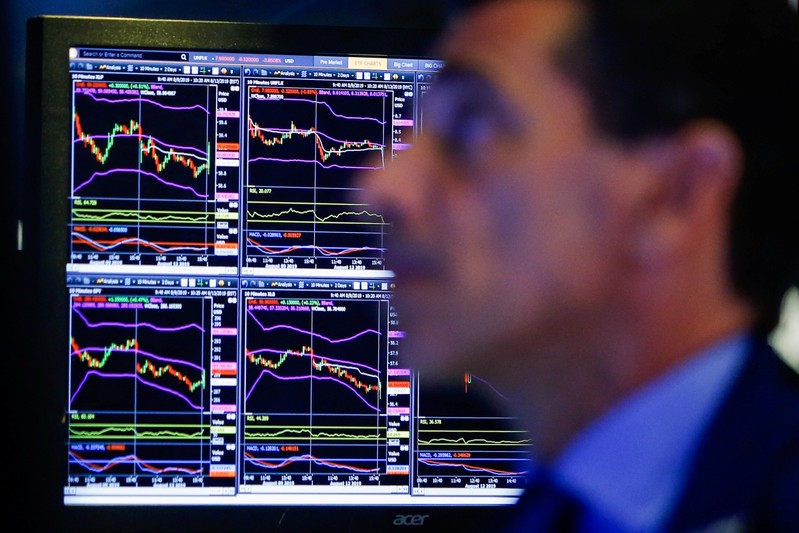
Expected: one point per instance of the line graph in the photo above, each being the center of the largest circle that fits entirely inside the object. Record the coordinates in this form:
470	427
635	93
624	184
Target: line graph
318	432
468	446
104	350
464	440
135	136
304	134
136	448
130	464
139	390
287	344
140	431
347	465
144	184
304	143
328	148
314	388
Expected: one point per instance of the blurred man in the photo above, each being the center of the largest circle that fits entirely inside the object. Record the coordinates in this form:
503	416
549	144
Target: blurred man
599	219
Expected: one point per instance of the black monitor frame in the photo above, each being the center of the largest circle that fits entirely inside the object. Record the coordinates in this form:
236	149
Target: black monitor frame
40	460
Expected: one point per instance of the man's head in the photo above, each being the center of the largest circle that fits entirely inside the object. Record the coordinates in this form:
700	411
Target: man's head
652	67
569	206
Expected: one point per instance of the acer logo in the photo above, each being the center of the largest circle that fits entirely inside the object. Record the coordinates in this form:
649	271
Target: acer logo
410	519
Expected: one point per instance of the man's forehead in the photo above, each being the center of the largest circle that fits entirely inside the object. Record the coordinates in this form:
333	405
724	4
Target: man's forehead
503	27
516	46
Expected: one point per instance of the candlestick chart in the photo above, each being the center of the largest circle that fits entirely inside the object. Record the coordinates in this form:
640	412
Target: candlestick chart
138	389
304	144
144	183
314	389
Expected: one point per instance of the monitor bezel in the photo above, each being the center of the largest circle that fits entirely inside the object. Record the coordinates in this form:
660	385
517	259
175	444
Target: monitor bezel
41	426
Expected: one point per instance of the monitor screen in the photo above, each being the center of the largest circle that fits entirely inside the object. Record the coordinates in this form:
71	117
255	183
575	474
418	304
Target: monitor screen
211	306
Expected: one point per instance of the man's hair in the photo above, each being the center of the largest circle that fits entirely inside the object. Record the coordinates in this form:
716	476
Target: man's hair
653	66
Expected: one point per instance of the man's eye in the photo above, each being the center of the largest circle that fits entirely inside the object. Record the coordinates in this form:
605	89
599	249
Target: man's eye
468	129
465	115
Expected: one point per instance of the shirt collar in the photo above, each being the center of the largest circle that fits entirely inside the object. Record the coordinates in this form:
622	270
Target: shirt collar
632	463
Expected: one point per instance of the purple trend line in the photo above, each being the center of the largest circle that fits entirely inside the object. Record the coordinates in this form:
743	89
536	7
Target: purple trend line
311	458
321	250
139	240
470	468
320	134
345	251
146	354
341	362
137	378
169	469
137	325
490	386
317	102
145	100
130	458
350	250
168	184
277	160
295	378
313	334
202	153
108	464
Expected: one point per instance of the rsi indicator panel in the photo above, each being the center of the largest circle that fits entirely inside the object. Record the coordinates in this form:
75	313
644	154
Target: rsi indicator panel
231	332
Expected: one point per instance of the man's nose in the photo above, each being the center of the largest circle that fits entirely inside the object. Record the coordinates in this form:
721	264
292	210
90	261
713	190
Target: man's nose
402	188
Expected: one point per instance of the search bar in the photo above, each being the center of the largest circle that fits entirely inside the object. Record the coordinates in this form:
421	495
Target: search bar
131	55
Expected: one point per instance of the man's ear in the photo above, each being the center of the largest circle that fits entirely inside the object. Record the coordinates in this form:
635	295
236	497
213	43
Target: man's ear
693	174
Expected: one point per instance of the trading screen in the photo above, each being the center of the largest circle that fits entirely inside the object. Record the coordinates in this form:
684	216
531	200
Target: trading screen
231	332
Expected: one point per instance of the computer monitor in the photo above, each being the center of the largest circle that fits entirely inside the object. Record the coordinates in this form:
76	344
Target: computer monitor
210	306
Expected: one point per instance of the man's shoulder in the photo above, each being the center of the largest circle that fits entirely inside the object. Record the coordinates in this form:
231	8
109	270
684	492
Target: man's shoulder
746	471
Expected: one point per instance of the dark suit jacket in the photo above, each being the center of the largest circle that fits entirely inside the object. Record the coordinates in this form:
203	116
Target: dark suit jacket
745	476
